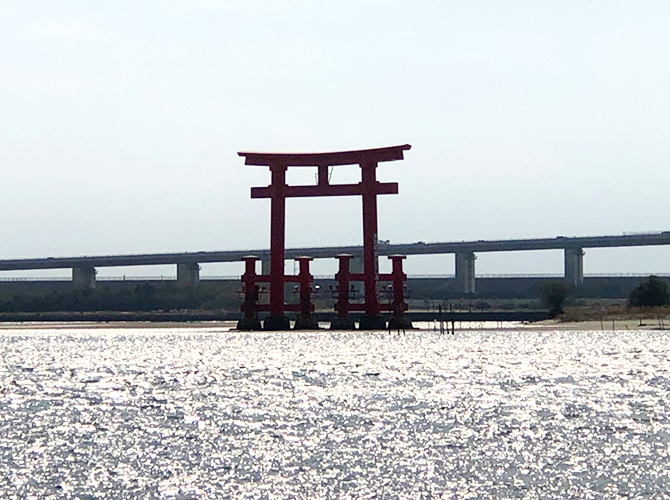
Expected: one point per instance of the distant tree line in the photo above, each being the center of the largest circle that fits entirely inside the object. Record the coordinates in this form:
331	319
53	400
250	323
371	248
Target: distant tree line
223	296
141	297
652	292
554	294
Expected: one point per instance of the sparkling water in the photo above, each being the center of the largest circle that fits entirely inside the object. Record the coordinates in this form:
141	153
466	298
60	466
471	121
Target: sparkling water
205	412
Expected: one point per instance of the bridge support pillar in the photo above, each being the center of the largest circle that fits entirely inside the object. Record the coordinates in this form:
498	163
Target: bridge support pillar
265	264
465	272
356	265
574	266
84	277
188	273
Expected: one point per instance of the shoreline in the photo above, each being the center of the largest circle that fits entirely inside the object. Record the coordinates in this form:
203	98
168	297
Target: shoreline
190	316
629	324
607	324
574	318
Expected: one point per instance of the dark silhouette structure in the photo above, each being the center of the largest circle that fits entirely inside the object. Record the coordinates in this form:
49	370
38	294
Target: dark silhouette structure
278	191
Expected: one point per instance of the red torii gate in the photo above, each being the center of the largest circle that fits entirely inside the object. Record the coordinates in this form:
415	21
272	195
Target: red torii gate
368	189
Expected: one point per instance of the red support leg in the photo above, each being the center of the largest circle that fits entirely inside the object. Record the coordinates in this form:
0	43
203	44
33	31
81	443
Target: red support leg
250	304
343	321
304	320
398	277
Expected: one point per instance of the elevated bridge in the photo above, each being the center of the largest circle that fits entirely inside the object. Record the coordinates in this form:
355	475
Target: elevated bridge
188	264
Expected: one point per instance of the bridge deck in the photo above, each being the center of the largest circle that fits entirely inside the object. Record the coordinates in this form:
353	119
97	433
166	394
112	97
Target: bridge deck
330	252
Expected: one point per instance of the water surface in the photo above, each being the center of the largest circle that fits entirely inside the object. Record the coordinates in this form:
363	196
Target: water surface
203	412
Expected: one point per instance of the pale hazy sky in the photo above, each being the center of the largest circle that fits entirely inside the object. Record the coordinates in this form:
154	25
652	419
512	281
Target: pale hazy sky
120	122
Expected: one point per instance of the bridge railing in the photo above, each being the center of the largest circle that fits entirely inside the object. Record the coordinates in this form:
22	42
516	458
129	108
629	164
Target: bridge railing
35	278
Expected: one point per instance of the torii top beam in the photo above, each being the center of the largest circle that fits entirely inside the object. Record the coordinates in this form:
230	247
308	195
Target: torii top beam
390	153
363	157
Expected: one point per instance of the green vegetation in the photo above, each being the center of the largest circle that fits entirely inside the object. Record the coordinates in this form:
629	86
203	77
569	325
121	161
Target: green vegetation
224	295
139	297
653	292
554	294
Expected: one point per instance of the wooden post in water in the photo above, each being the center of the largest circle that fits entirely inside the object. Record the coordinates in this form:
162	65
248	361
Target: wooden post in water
439	309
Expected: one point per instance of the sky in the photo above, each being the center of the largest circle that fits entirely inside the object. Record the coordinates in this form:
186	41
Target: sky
120	123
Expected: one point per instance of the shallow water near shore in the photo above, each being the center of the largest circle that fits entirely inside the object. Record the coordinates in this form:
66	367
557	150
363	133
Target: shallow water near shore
205	412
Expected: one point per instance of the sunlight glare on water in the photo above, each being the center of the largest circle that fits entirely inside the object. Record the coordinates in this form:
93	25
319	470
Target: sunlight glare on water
203	412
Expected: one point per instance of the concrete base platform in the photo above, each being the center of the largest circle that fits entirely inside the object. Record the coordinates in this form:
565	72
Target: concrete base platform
306	323
343	324
402	323
276	323
249	324
372	323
